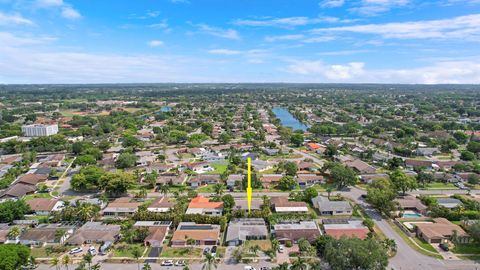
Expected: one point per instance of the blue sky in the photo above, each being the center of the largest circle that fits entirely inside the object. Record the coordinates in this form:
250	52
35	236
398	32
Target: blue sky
125	41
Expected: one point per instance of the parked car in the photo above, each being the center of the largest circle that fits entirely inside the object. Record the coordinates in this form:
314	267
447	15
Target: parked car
444	247
105	247
214	251
167	263
76	250
281	248
248	267
265	268
180	263
92	251
206	250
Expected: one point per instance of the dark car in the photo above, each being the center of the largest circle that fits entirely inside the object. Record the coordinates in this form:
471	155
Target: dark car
444	247
214	251
206	250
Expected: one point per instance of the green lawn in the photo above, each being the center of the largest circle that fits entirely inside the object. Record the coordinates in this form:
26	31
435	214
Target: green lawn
219	168
264	245
438	185
125	250
424	244
472	258
38	195
171	252
466	249
206	189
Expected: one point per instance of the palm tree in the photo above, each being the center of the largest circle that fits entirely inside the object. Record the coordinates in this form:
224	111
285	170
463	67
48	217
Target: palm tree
146	266
209	262
275	245
219	189
88	259
95	267
164	189
66	261
329	191
14	232
299	264
55	262
137	253
59	234
255	249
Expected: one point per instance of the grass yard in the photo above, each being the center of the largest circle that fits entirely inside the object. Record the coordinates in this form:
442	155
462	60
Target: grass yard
206	189
264	245
171	252
125	250
466	249
437	185
424	244
219	168
471	258
41	252
38	195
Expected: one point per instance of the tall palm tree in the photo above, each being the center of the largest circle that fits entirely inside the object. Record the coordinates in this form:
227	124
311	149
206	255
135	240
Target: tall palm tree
137	253
299	264
164	189
95	267
219	189
255	249
329	191
209	262
66	261
55	262
275	245
146	266
87	258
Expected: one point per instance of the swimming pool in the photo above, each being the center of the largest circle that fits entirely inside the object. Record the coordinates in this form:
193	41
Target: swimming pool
411	215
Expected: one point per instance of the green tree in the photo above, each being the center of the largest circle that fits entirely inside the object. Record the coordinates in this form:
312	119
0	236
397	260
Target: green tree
467	155
381	195
66	261
55	262
209	262
402	182
290	168
137	253
297	139
287	183
116	184
342	176
13	256
11	210
126	160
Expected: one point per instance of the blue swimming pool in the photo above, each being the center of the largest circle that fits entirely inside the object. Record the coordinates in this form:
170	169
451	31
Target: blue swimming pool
411	215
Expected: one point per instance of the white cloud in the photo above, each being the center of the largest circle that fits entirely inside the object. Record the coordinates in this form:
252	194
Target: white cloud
219	32
332	3
463	27
66	10
283	38
50	3
446	72
155	43
163	24
224	52
70	13
10	40
8	19
289	22
374	7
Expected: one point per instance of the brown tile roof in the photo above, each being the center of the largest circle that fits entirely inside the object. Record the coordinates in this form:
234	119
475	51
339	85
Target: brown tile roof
19	190
357	232
42	204
284	202
269	178
183	234
161	203
32	179
440	228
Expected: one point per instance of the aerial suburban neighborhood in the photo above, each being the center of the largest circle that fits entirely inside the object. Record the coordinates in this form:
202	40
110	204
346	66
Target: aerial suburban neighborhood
143	176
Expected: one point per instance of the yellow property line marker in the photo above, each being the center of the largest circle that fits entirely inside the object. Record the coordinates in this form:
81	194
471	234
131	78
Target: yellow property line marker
249	184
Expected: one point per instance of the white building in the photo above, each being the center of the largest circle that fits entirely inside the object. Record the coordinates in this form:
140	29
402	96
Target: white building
39	130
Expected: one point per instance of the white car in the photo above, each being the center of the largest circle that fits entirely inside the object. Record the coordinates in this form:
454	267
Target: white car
167	263
92	251
281	248
180	263
76	250
248	267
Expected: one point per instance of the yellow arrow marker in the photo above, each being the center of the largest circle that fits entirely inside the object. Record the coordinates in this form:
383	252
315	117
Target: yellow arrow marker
249	184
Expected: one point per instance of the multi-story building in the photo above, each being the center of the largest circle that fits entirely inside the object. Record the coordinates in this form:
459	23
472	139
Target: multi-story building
39	130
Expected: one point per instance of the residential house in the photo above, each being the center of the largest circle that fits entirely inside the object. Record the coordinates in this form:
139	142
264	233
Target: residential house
31	179
202	205
412	163
95	232
55	160
242	204
17	191
160	205
204	179
233	179
369	178
360	166
270	151
198	167
44	207
308	180
292	231
46	234
95	201
307	166
158	167
244	229
440	231
427	151
413	204
171	179
192	234
270	180
283	205
345	227
331	208
157	231
261	165
121	207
